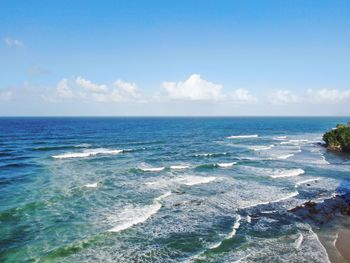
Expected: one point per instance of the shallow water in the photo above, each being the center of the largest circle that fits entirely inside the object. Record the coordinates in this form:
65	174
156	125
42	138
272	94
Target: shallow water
163	189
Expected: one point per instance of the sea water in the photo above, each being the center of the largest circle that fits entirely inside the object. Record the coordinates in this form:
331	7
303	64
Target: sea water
163	189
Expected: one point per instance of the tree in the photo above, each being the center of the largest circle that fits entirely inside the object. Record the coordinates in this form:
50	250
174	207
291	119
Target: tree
339	138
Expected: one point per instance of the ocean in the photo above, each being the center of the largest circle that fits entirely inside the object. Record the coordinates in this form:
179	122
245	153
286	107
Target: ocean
164	189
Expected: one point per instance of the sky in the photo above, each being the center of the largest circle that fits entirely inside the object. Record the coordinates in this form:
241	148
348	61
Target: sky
174	58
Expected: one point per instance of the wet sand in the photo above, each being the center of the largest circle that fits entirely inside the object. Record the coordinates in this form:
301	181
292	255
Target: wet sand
342	244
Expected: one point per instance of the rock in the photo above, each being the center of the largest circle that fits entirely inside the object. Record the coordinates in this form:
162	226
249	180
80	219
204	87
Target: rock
320	213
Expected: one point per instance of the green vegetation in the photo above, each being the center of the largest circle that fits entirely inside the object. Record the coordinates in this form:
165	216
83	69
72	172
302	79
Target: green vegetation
338	139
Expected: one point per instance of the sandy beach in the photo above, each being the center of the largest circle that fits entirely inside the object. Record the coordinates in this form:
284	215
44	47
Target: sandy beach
342	243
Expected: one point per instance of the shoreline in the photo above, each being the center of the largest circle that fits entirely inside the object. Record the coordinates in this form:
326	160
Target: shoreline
331	221
342	243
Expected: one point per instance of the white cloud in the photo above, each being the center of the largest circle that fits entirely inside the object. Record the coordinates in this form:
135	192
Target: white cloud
283	97
63	90
129	90
83	89
328	96
10	42
242	96
90	86
5	95
194	88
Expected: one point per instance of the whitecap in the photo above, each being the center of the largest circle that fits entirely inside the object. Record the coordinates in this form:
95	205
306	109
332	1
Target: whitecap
134	215
176	167
242	136
163	196
231	234
92	185
235	227
152	169
278	138
291	195
249	219
194	180
83	145
306	181
294	142
299	241
279	173
286	156
262	148
87	153
226	165
209	154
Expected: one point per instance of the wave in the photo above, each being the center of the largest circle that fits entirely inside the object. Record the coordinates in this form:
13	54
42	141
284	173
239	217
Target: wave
249	219
262	148
194	180
231	234
299	241
278	138
210	154
215	165
88	153
279	173
323	160
235	227
306	181
243	136
135	215
178	167
266	158
92	185
225	165
286	197
152	169
294	142
60	147
291	195
286	156
135	150
82	145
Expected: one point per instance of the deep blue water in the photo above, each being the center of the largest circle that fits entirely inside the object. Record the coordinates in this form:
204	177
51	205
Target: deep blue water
163	189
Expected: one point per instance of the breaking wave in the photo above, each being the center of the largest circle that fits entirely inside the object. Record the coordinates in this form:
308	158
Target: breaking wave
134	215
88	153
279	173
243	136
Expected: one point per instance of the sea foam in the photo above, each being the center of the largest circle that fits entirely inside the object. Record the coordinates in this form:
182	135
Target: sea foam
279	173
243	136
306	181
194	180
288	196
152	169
135	215
299	241
88	153
225	165
286	156
92	185
178	167
231	234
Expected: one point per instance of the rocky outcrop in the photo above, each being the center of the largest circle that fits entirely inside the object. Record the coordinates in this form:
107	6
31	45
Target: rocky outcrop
322	212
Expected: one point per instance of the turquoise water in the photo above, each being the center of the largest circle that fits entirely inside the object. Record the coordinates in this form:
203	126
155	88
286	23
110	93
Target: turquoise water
163	189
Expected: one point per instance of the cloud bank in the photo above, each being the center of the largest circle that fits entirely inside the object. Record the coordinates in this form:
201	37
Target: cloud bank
193	95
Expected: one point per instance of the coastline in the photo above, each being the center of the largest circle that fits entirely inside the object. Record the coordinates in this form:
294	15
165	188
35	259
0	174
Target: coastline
331	221
342	243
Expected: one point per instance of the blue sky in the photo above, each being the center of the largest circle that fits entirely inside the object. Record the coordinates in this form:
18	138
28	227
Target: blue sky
175	57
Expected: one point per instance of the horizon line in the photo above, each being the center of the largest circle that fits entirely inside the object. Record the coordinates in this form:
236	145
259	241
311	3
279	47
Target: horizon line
166	116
